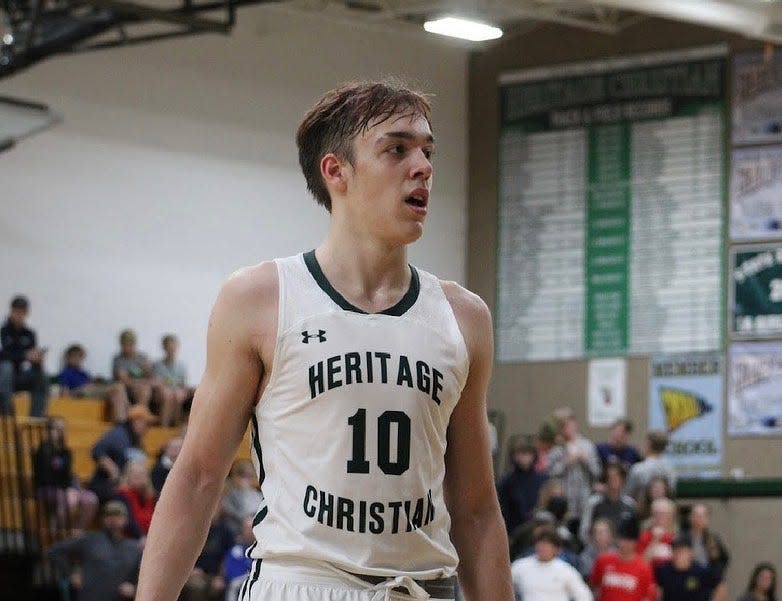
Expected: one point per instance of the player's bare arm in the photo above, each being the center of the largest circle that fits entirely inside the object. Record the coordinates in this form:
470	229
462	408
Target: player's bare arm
240	341
477	529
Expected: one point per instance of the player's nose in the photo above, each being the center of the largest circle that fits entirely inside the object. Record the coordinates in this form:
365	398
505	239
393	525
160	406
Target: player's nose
422	166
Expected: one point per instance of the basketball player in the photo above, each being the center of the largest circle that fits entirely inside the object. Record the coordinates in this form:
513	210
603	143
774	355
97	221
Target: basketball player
364	380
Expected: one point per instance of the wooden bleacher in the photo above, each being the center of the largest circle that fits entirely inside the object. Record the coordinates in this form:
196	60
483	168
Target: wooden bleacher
86	419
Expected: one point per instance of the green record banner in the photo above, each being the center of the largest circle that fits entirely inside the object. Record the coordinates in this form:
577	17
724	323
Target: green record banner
756	291
610	212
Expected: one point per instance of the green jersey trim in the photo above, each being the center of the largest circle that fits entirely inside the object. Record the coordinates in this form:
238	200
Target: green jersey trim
399	309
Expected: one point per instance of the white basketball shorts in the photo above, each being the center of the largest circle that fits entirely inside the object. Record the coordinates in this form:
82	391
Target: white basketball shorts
300	580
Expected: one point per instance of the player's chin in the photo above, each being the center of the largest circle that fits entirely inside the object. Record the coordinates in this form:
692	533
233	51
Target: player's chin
413	232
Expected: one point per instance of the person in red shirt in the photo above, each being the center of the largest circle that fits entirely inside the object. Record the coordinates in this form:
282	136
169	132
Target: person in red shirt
654	544
623	575
138	494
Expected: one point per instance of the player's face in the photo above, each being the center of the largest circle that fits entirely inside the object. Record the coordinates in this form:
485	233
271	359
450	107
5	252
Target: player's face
389	181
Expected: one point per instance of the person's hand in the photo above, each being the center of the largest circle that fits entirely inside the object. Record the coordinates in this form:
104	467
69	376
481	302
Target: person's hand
127	590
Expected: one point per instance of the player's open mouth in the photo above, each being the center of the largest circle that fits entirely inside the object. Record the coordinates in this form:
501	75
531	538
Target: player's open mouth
419	198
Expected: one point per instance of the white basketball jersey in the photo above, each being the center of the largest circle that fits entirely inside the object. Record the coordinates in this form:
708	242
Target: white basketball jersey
349	435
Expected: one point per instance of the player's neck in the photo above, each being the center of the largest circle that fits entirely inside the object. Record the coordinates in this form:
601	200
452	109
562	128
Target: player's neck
369	274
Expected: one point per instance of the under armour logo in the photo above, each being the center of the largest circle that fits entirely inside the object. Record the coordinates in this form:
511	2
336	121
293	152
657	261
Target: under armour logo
321	336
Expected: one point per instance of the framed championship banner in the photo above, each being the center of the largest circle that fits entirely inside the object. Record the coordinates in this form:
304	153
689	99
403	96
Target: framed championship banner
756	291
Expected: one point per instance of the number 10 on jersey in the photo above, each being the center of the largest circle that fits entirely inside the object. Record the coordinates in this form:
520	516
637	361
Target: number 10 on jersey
358	464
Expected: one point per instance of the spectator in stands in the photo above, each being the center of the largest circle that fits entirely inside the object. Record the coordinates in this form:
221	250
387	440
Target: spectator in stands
522	541
74	380
545	440
206	581
236	564
658	488
762	584
623	575
115	448
557	507
681	579
612	503
655	541
617	449
654	465
56	486
601	540
165	462
108	563
707	546
21	361
132	368
553	487
136	491
242	498
544	576
576	462
519	488
172	376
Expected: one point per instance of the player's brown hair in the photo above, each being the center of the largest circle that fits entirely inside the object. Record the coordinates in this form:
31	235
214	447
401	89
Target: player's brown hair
345	112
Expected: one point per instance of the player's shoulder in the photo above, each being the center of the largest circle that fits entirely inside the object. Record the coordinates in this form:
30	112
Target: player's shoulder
247	302
465	304
251	284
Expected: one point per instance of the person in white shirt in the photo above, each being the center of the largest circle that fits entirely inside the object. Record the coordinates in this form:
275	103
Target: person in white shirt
544	576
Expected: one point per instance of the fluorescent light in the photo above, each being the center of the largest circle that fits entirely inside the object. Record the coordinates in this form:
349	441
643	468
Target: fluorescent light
464	29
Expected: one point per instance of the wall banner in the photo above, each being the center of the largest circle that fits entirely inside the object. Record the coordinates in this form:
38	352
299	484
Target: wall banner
610	210
756	193
757	96
755	389
607	398
685	400
756	291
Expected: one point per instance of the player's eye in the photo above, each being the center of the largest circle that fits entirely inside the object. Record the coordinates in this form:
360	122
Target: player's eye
397	149
428	153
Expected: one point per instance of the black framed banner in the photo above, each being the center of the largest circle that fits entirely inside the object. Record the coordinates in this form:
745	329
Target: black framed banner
756	291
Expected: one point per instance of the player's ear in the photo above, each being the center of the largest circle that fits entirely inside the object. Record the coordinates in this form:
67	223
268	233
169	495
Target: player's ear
333	172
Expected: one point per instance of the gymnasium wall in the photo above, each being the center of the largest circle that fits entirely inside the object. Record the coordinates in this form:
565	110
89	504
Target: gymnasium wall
175	164
528	392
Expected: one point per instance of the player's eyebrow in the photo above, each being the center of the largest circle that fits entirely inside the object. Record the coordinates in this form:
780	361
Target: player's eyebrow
404	135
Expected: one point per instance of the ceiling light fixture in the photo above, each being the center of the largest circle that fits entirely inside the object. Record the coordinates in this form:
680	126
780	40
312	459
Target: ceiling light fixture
464	29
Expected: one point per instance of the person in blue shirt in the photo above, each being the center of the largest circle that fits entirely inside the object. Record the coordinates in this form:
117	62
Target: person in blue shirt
236	564
117	447
74	380
617	449
682	579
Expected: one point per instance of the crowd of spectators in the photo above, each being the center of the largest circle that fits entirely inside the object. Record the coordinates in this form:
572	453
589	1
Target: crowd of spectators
584	520
105	520
101	560
607	514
